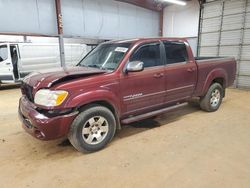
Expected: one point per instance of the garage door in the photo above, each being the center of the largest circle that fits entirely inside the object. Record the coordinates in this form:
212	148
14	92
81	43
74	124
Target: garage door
225	31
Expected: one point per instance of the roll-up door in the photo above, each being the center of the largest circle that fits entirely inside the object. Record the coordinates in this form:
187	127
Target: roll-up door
225	31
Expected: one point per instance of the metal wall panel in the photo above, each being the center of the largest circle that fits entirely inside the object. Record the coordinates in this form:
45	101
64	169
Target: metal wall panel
245	68
28	16
108	19
208	51
245	54
97	19
232	22
230	37
225	31
248	7
209	39
230	51
234	7
244	81
212	10
211	25
246	39
193	44
247	22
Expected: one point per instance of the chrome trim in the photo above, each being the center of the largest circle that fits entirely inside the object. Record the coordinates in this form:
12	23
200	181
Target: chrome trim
184	87
125	98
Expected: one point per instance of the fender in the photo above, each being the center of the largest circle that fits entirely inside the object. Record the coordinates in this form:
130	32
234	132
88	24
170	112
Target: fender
93	96
216	73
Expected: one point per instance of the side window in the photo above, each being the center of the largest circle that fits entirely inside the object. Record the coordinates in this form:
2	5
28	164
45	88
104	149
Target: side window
3	52
176	52
149	54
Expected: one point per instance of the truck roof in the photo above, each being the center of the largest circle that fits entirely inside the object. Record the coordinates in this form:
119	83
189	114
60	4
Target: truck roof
134	40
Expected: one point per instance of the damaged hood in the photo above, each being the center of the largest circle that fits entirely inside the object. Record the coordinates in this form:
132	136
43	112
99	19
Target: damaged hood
47	78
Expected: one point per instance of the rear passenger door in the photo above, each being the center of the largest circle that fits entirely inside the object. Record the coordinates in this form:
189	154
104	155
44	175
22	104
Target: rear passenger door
181	71
145	90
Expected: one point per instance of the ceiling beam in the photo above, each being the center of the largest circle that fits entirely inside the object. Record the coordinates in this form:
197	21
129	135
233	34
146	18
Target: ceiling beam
148	4
155	5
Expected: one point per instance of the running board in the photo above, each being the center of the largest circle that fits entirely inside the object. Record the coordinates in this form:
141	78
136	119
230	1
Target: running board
153	113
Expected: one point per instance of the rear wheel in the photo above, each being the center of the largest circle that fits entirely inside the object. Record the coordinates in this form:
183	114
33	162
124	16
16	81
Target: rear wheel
213	98
92	129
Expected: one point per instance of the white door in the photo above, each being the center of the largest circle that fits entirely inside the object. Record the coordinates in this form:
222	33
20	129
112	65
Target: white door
14	53
6	68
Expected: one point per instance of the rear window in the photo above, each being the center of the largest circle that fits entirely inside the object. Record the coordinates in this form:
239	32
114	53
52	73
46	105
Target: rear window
3	53
176	52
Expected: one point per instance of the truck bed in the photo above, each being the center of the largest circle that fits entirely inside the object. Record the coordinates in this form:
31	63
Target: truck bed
207	65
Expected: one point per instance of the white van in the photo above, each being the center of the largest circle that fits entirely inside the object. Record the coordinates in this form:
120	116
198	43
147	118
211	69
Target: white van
19	59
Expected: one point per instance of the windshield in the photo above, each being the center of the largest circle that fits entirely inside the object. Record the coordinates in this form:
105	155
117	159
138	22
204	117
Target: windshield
3	53
105	56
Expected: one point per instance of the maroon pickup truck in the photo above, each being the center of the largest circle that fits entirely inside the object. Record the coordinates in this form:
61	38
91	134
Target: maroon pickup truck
120	82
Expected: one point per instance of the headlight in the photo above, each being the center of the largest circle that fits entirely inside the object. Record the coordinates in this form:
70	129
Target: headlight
46	97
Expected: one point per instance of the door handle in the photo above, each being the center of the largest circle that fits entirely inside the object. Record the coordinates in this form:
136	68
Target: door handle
190	69
7	63
158	75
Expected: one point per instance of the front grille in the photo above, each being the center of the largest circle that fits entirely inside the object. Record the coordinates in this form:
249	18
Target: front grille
27	90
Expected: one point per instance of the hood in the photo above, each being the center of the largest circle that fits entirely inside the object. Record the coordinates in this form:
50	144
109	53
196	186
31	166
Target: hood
47	78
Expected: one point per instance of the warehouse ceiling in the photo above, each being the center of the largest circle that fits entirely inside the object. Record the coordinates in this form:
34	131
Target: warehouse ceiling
155	5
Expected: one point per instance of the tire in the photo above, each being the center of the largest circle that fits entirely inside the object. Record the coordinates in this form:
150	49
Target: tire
213	98
92	129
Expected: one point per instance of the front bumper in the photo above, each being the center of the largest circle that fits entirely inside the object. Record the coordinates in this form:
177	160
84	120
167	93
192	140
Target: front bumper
41	126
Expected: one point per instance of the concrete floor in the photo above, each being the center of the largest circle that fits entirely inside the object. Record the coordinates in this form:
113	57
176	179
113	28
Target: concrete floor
186	148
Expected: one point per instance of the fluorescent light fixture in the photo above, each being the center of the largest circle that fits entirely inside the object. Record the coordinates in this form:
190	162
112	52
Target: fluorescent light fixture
178	2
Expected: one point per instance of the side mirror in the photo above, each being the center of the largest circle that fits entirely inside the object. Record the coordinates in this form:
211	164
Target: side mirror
135	66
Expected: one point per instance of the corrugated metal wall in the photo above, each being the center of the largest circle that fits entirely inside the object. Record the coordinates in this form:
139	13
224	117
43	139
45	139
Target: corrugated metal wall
225	31
108	19
96	19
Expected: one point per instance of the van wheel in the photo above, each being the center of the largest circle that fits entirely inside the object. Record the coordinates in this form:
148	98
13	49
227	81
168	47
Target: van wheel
92	129
212	100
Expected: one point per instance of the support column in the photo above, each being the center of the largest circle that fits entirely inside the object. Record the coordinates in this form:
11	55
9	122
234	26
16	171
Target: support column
161	21
60	31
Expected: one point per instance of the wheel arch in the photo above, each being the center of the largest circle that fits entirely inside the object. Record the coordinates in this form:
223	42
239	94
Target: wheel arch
219	80
101	97
215	76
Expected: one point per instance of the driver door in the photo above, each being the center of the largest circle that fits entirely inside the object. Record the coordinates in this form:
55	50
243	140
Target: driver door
145	90
6	68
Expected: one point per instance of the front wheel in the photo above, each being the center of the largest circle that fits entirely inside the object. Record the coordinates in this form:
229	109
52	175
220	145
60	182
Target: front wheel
92	129
213	98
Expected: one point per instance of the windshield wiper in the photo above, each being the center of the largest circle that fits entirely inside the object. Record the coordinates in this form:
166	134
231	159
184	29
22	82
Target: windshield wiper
94	66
